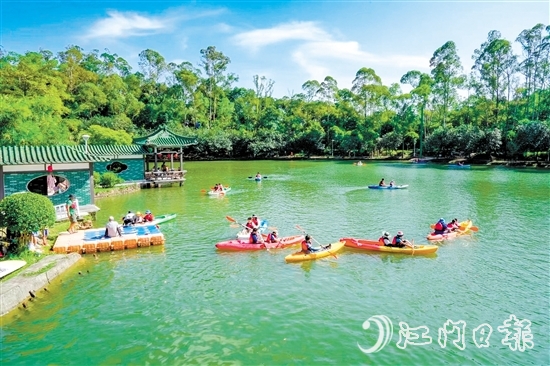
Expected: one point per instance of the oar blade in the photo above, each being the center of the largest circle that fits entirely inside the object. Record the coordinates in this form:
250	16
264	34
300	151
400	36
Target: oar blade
230	219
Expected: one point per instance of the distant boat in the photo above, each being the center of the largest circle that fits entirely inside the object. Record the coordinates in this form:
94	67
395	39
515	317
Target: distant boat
458	166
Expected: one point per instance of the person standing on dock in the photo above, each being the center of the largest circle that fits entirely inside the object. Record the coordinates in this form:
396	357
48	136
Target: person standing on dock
112	229
70	206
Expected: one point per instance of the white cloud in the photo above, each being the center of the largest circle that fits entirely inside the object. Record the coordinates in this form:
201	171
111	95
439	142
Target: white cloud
121	25
304	31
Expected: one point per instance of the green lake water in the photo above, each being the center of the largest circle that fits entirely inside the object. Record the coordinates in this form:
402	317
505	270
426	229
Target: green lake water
187	303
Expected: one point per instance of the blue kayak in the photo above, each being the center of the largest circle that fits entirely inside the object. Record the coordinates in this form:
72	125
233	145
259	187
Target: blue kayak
388	187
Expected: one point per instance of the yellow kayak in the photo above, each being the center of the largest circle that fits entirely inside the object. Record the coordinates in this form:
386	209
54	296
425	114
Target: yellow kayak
300	257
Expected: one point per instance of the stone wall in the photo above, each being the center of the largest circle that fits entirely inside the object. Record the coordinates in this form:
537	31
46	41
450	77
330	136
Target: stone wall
25	285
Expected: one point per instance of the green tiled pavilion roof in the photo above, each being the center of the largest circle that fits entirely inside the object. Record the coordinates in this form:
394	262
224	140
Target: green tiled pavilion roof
110	150
165	138
24	155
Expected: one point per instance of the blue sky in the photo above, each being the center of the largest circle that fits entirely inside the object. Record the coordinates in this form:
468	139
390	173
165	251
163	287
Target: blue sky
289	42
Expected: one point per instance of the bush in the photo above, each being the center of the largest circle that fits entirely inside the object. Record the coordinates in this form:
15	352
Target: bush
97	179
24	213
109	180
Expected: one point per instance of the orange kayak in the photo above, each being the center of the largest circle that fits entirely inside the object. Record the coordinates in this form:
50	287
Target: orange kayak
374	245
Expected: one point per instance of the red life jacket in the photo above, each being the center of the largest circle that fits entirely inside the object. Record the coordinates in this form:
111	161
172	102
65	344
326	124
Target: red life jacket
271	238
381	239
439	227
304	246
255	221
394	241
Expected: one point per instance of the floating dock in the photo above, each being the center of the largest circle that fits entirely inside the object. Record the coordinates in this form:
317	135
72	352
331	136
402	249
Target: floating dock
93	240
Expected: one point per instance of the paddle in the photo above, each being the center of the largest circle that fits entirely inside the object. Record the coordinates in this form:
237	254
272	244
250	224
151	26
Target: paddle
264	177
302	230
246	227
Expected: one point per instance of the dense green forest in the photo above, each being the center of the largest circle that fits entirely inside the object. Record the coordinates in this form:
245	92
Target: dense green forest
500	107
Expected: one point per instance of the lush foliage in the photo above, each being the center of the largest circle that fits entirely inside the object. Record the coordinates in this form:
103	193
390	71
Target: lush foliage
501	107
25	213
109	179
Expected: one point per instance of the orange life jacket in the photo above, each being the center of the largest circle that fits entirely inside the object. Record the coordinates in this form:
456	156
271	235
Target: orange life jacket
304	246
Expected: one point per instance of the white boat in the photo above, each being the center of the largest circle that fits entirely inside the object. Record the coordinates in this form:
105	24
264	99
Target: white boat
219	193
244	234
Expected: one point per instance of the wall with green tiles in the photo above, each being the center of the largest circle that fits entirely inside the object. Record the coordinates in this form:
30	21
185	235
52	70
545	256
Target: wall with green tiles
79	185
135	168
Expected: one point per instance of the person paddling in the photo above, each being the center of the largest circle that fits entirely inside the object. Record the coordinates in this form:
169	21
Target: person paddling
272	237
307	248
255	238
400	242
385	239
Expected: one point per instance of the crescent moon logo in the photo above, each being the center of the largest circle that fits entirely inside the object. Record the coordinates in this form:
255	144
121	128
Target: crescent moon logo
385	332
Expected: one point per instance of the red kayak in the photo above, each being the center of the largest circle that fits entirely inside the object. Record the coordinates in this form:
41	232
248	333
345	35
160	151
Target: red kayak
237	244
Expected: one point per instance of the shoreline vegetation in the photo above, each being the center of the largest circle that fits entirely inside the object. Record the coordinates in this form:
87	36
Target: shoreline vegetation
55	98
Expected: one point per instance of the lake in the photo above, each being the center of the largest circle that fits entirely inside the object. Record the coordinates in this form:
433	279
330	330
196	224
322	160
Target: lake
187	303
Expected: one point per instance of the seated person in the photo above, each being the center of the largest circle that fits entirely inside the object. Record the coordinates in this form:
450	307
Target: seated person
129	219
382	183
255	237
385	239
440	227
453	225
255	221
272	237
139	218
148	216
112	229
392	183
307	248
400	242
249	224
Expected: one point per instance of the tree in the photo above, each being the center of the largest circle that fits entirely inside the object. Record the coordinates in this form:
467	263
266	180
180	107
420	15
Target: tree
491	63
25	213
214	64
447	76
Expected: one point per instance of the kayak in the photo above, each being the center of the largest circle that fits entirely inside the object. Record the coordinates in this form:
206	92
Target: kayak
388	187
158	220
219	193
238	245
377	246
244	234
300	257
456	166
463	228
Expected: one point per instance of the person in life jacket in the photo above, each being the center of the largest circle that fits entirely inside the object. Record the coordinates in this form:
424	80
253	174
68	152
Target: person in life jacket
148	216
255	238
452	226
385	239
255	221
440	227
306	245
399	242
249	224
272	237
